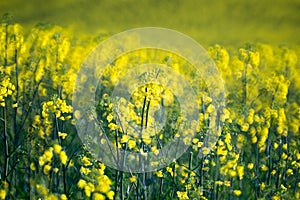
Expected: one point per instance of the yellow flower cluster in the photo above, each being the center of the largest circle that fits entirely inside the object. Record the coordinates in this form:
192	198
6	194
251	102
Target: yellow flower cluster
57	108
259	141
6	89
46	159
101	188
182	195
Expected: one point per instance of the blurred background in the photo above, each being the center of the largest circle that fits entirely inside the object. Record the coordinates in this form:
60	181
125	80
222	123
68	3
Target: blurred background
231	22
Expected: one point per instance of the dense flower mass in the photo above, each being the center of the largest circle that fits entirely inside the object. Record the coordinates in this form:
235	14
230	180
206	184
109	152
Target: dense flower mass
256	155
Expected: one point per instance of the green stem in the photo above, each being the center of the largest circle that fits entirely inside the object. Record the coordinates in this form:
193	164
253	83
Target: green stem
5	138
160	187
65	179
245	84
121	185
5	141
143	110
116	183
147	113
216	192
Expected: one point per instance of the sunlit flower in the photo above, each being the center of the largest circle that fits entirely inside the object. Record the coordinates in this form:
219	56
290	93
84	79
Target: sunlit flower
63	157
237	192
63	197
182	195
159	174
86	161
57	148
81	183
132	179
250	166
2	194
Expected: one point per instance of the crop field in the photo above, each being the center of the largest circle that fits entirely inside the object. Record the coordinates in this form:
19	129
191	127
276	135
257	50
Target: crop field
149	124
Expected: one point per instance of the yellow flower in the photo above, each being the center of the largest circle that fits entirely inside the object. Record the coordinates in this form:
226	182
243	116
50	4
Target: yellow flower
63	157
42	160
205	150
57	113
57	148
289	172
159	174
273	172
112	126
104	184
207	99
221	150
98	196
283	187
84	170
47	169
48	154
170	170
227	183
222	159
241	141
237	192
284	156
109	117
262	186
2	194
147	140
254	140
62	135
32	166
232	173
168	97
245	127
81	183
205	169
77	114
110	195
71	163
275	198
88	189
284	147
250	166
132	179
240	170
125	138
210	108
56	170
264	168
42	189
102	168
275	145
155	150
63	197
252	131
182	195
219	182
131	144
195	140
213	163
86	161
51	197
